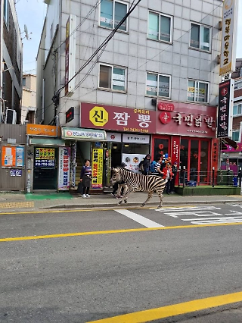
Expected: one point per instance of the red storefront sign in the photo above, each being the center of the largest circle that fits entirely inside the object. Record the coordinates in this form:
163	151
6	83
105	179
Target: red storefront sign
117	118
187	120
215	153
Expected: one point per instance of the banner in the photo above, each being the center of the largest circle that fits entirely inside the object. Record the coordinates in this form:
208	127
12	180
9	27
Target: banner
225	109
8	156
132	161
229	34
64	169
19	156
175	150
97	168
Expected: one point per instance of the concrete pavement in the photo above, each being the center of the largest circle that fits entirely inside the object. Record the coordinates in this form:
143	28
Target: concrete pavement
19	201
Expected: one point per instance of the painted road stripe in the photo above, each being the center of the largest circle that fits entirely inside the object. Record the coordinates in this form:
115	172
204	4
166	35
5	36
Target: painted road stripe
80	234
174	310
139	218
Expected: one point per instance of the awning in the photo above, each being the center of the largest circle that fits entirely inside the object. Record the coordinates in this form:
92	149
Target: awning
81	134
230	142
46	142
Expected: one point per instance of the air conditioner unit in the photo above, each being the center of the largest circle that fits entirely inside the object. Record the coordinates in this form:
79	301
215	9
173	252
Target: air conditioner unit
11	116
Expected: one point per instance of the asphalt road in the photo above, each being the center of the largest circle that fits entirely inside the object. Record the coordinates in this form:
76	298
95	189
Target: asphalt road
87	265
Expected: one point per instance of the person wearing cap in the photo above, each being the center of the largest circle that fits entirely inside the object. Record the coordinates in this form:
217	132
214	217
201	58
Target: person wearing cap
115	185
173	180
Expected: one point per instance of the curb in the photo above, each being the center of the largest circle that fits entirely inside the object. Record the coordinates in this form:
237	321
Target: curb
135	204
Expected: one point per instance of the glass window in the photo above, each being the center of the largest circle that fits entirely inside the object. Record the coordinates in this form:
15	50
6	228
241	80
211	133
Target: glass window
237	109
161	147
194	160
159	27
152	85
24	81
6	11
111	13
197	91
235	135
200	37
112	78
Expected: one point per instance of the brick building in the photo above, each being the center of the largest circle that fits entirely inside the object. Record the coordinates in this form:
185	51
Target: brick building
11	54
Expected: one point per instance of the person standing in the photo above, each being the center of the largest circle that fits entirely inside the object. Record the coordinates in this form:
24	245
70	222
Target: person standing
158	167
168	175
86	178
146	165
174	171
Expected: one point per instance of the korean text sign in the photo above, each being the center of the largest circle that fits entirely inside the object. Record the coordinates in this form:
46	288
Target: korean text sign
117	118
64	168
44	157
224	128
187	120
97	168
12	156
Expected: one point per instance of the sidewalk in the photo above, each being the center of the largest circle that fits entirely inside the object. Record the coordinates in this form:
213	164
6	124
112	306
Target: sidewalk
19	201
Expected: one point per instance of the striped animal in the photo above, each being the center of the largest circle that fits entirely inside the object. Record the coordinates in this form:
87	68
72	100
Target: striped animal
139	182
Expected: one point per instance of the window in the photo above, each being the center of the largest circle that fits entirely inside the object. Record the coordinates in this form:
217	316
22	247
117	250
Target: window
112	12
160	27
6	11
24	81
200	37
197	91
237	109
158	85
235	135
112	77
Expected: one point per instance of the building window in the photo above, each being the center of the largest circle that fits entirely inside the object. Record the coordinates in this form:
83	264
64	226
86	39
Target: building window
112	12
160	27
237	109
112	78
200	37
6	11
24	81
235	135
197	91
158	85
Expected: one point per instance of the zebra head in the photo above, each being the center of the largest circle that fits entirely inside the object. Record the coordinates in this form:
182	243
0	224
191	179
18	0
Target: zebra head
116	175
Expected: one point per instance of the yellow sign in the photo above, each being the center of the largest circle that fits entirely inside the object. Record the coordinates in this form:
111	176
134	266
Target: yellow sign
97	168
98	116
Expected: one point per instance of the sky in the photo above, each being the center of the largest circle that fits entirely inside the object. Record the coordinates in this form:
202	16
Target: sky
32	13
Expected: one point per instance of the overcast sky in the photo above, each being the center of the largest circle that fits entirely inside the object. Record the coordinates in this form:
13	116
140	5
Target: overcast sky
32	13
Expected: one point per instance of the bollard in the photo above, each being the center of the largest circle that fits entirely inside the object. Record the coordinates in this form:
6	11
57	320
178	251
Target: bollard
228	176
213	173
184	175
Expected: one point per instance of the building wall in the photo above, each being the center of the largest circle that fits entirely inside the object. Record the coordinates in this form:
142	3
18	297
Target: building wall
12	56
29	97
139	54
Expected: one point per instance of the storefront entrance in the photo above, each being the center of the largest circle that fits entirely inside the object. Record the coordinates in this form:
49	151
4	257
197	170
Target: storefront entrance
45	168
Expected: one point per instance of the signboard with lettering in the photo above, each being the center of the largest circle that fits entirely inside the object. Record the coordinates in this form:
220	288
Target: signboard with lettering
187	119
97	168
83	134
229	34
117	118
42	130
64	168
8	156
225	117
70	115
175	149
44	157
133	138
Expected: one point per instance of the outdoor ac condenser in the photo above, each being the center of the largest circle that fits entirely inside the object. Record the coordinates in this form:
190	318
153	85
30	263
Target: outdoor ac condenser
11	116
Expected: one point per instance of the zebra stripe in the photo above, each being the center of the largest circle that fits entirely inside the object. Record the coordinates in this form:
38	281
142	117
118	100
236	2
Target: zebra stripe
139	182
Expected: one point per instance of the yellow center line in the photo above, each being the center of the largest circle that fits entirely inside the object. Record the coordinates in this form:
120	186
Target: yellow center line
174	310
92	233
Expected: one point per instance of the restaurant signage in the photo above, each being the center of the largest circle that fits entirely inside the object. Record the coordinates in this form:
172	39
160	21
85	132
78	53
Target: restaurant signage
83	134
117	118
225	117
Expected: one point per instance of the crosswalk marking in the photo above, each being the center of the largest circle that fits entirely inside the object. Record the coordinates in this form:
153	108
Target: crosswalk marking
139	218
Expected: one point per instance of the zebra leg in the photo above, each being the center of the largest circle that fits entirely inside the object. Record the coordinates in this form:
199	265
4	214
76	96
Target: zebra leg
150	194
161	199
127	191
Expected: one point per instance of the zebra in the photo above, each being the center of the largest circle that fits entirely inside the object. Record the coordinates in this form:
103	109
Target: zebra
138	182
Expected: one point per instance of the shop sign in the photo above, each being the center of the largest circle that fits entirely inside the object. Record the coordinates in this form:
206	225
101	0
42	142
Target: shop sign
83	134
64	168
163	106
215	153
97	168
19	156
114	137
44	157
132	161
42	130
225	117
132	138
175	150
229	34
70	115
117	118
188	120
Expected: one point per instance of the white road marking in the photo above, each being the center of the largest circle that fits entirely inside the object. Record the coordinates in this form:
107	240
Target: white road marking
189	209
139	218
